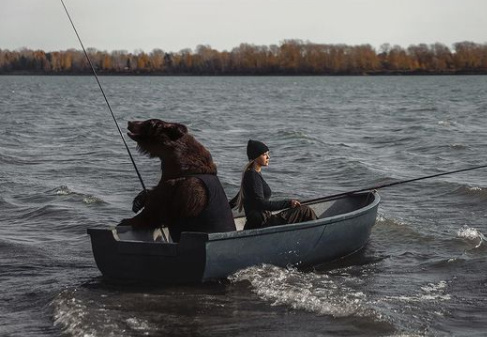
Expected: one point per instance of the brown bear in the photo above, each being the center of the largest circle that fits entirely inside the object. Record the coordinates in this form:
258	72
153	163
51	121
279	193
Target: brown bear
189	196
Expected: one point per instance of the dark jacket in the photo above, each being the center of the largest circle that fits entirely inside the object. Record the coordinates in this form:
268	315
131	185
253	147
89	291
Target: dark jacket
216	217
257	203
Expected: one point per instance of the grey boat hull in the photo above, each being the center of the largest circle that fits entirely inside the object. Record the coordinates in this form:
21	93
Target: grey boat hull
343	227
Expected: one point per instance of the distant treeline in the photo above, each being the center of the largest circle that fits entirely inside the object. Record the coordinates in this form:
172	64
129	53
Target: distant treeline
291	57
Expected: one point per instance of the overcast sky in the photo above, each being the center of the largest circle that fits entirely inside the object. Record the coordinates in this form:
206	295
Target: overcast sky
173	25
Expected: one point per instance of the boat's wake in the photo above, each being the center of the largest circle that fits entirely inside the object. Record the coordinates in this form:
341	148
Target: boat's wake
343	295
81	313
317	293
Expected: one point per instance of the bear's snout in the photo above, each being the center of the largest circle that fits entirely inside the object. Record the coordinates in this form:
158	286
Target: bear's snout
134	128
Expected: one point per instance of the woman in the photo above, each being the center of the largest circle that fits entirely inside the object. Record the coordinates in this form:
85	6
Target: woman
254	195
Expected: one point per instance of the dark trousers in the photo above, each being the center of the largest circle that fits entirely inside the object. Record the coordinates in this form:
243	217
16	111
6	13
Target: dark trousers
291	215
288	216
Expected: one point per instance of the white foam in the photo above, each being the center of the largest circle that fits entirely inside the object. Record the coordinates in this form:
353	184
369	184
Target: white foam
429	292
63	190
457	146
89	200
471	234
304	291
68	315
78	318
435	291
392	221
137	324
434	287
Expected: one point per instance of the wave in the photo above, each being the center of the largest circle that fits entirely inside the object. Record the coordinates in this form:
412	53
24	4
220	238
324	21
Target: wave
397	235
342	294
87	199
310	292
42	202
69	315
458	146
447	123
424	150
398	231
18	160
93	309
295	135
78	316
431	292
63	190
472	235
441	187
472	191
43	212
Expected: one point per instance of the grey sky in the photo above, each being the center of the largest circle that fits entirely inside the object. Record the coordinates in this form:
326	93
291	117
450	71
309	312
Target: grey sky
172	25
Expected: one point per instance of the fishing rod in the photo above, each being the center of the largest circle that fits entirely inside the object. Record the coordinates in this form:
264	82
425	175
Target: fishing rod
339	195
104	96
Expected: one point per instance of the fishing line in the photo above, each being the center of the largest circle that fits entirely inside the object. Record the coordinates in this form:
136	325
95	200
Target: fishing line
104	96
339	195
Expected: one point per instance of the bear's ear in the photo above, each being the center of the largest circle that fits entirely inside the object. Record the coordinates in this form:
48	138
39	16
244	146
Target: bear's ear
175	130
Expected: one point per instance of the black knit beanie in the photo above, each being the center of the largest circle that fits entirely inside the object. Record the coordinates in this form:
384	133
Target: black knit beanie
255	149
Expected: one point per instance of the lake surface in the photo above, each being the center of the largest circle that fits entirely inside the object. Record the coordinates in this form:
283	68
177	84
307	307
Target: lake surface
424	272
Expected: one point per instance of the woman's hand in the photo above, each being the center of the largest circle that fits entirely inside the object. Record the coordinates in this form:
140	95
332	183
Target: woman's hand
295	203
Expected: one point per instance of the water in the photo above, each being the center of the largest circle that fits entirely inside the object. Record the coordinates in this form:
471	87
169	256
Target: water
424	272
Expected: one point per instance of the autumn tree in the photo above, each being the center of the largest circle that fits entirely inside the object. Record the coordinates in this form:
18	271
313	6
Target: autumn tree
291	52
290	57
467	55
119	60
157	60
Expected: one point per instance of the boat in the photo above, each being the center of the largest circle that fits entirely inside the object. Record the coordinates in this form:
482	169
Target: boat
343	227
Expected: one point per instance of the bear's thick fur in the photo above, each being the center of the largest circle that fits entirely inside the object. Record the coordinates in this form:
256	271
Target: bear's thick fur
179	198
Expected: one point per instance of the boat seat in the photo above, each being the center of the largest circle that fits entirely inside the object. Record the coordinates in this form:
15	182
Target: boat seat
127	233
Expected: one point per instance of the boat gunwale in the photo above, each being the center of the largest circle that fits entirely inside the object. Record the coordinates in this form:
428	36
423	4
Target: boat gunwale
297	226
221	236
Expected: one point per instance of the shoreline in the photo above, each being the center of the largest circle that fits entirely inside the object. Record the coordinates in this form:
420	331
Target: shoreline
160	74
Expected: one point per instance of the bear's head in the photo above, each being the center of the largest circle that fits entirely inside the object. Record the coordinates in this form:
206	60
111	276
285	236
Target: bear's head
179	152
153	136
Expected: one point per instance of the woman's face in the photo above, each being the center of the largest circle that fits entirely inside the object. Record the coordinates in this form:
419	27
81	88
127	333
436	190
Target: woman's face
263	159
